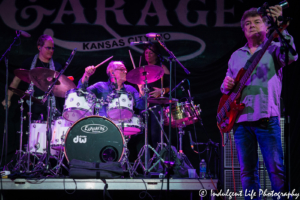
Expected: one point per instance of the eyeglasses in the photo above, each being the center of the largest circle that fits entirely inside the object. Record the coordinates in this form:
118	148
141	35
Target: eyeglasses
122	70
49	48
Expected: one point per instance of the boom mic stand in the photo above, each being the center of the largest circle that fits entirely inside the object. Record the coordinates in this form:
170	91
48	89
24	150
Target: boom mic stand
49	120
171	58
5	55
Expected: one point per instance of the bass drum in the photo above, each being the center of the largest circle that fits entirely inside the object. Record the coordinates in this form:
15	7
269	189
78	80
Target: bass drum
94	139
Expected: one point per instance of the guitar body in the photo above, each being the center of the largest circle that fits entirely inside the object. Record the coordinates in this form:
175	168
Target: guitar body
228	120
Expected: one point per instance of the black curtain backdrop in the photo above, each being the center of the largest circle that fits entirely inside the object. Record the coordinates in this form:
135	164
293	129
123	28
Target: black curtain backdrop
208	29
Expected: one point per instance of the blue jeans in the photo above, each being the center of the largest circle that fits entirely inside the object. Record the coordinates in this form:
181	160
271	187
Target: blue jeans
267	134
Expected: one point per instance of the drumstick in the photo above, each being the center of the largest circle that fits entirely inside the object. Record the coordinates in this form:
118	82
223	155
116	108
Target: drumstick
103	62
140	61
131	59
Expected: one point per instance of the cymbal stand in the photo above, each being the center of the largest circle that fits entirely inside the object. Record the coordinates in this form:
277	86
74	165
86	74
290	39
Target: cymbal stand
19	166
30	92
146	146
49	119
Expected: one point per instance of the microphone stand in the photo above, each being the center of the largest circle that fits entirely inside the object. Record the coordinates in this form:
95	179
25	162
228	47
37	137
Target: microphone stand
49	120
5	56
286	48
171	58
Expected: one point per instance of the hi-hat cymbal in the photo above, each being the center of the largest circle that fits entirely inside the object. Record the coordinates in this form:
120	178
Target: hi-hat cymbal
162	100
23	74
24	95
150	72
43	78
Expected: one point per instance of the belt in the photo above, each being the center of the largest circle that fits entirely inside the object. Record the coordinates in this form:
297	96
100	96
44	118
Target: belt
261	123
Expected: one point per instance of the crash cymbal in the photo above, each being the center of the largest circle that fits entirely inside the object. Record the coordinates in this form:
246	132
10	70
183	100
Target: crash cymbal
139	75
161	100
43	78
23	74
24	95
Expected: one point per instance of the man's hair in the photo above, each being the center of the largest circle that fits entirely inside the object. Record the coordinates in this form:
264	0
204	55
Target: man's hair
42	39
252	12
112	66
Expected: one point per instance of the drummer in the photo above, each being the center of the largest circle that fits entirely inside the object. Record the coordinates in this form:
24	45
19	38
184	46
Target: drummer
116	72
45	45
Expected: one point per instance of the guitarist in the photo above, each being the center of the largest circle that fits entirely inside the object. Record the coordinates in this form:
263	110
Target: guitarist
258	122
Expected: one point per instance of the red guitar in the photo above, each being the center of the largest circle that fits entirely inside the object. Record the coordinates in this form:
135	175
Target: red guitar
229	105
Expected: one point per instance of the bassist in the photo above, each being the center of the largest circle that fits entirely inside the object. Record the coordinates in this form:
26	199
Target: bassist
258	123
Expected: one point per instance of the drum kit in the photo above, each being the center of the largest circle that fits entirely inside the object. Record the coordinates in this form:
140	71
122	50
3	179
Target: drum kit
80	133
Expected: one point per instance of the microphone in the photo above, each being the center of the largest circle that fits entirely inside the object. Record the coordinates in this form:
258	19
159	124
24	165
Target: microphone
178	85
23	33
152	35
140	42
261	10
191	141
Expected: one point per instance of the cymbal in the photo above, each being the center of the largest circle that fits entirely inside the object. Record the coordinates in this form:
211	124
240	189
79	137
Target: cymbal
24	95
22	74
161	100
43	78
151	72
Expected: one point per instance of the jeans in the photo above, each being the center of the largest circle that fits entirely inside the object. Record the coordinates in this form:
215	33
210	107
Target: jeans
267	134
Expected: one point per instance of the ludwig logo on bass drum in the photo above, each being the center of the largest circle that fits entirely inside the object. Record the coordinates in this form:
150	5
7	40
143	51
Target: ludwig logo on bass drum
94	128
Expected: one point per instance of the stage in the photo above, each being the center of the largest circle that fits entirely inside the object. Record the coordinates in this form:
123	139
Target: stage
82	188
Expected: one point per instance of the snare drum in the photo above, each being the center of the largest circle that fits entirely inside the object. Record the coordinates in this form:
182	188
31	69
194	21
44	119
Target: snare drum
38	137
60	129
94	139
78	104
132	126
121	106
182	114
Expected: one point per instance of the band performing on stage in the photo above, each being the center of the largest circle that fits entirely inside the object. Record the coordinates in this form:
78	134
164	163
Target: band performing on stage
127	119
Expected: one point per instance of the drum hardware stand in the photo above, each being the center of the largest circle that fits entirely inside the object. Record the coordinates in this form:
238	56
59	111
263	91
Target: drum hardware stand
59	164
160	145
125	160
98	105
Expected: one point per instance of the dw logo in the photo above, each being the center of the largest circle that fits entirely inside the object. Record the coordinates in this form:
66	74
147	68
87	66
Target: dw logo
80	139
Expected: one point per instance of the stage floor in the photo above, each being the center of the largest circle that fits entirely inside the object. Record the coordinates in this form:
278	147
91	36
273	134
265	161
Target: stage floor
93	189
113	184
